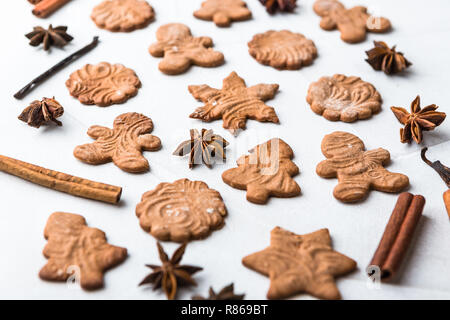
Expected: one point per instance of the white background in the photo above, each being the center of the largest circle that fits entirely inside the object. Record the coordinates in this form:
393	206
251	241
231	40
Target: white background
421	31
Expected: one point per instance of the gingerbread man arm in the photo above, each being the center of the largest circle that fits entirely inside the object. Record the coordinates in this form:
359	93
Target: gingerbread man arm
149	142
382	179
263	91
379	155
96	132
157	49
326	169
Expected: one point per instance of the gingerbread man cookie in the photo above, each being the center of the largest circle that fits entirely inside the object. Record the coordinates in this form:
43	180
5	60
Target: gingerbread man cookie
122	145
357	170
353	23
223	12
122	15
284	50
78	251
180	49
266	172
103	84
181	211
343	98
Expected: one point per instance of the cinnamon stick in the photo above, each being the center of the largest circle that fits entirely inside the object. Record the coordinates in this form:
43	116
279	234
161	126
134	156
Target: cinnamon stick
61	181
398	234
46	7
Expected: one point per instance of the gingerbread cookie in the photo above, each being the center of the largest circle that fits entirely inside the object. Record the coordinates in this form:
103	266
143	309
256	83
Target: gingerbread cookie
235	102
122	145
180	49
77	251
357	170
300	263
266	172
343	98
181	211
122	15
103	84
282	49
223	12
353	23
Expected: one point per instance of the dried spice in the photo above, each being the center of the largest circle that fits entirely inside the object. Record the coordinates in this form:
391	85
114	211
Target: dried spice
202	147
171	274
397	236
418	120
381	57
47	74
57	37
273	6
444	172
60	181
227	293
41	112
44	8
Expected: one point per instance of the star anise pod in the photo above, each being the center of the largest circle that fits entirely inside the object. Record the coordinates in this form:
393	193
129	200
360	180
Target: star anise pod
41	112
226	293
202	147
49	37
418	120
171	274
381	57
281	5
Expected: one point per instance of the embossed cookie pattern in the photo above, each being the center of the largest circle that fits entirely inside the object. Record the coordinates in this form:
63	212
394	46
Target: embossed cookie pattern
122	15
266	172
282	49
235	103
103	84
122	145
180	49
300	263
181	211
223	12
74	249
353	23
343	98
358	171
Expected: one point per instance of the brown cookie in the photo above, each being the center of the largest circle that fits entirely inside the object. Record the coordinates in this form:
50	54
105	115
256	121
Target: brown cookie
122	145
343	98
76	251
282	49
122	15
181	211
234	103
353	23
223	12
103	84
266	172
358	171
180	49
300	263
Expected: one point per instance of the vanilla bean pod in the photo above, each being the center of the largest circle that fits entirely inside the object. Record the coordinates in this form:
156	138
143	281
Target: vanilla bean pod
47	74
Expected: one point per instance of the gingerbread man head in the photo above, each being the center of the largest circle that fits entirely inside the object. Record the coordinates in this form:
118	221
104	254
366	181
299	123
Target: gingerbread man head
358	171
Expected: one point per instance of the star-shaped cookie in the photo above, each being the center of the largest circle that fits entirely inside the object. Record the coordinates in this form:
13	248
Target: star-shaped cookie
235	103
300	263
